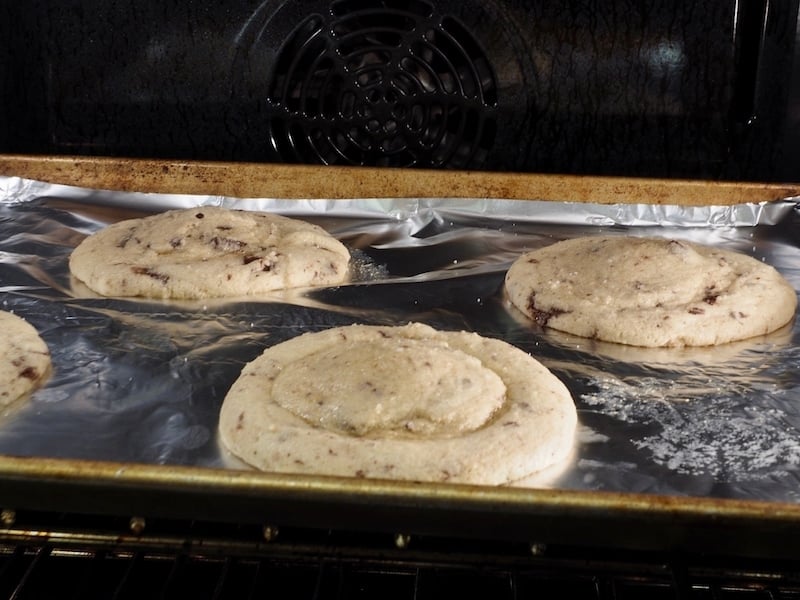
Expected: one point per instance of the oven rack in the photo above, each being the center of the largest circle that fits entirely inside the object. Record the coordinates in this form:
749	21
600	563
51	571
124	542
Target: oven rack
44	555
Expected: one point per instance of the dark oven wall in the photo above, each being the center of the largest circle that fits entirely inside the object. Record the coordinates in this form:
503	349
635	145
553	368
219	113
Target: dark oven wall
671	88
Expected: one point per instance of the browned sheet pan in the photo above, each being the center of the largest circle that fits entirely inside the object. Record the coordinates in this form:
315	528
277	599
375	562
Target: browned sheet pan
639	478
248	180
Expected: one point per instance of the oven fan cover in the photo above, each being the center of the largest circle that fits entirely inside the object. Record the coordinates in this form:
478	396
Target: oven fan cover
399	83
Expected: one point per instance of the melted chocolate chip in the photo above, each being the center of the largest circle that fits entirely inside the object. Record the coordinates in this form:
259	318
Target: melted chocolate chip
162	277
676	246
124	240
266	265
711	295
30	373
542	317
695	310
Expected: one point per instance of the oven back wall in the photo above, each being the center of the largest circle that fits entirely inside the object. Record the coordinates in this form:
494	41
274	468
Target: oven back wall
666	88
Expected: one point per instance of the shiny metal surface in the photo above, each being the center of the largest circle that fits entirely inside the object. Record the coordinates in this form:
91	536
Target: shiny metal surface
668	438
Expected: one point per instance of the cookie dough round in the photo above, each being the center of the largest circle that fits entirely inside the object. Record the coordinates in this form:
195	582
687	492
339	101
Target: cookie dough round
649	291
407	402
24	359
208	252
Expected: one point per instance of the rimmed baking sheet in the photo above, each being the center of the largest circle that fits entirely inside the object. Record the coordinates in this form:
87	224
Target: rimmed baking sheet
676	449
141	381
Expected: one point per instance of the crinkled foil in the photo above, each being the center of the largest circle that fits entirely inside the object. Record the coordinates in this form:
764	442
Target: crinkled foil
143	380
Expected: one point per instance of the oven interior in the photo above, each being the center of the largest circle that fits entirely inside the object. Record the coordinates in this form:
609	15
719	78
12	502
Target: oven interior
663	89
667	89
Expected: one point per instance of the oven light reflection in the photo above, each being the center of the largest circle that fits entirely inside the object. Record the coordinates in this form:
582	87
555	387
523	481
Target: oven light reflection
665	57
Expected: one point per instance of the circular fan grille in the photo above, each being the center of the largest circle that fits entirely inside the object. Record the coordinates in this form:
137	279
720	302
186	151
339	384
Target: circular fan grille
389	83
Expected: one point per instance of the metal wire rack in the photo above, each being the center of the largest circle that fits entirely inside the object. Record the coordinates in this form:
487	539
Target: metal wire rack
58	556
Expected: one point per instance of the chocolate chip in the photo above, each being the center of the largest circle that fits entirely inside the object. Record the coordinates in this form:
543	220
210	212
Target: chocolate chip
542	317
162	277
711	295
676	246
30	373
125	239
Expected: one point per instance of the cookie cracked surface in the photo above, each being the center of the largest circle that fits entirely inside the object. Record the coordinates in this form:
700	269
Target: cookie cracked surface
407	402
649	291
208	252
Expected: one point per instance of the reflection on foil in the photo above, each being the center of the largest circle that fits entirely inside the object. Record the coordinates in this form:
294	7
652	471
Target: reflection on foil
714	428
142	380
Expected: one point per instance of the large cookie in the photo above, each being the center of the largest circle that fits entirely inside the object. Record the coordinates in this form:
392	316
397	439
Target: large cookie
208	252
409	403
24	359
649	291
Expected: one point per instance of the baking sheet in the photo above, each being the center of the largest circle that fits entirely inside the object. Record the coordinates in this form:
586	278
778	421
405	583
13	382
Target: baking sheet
142	381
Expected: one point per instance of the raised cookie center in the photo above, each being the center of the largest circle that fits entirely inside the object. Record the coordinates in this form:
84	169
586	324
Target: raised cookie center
210	234
656	273
391	386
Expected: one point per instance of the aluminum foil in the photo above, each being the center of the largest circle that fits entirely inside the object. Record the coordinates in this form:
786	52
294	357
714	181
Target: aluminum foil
142	380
